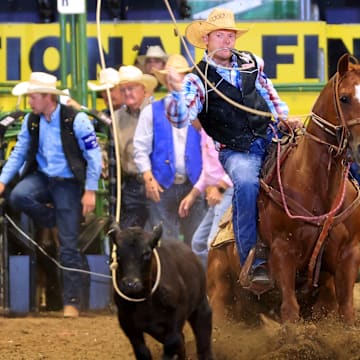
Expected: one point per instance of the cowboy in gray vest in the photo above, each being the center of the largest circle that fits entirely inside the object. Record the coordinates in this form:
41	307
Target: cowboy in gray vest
60	162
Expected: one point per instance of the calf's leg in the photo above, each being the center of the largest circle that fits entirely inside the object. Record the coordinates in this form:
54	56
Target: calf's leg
136	339
174	346
201	324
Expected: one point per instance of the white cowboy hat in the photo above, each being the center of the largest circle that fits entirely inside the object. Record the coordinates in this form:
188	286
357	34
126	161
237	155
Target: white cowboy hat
154	51
107	79
39	82
132	74
176	61
218	19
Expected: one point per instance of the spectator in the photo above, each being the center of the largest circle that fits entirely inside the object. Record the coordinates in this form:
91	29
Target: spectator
60	160
109	79
219	190
170	162
154	59
135	87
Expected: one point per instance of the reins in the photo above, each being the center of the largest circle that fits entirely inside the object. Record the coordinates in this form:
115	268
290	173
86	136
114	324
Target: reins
318	218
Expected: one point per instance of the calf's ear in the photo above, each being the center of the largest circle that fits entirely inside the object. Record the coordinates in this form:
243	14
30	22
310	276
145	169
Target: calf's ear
113	230
157	232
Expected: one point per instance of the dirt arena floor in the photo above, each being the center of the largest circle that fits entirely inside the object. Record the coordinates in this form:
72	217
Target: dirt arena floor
97	336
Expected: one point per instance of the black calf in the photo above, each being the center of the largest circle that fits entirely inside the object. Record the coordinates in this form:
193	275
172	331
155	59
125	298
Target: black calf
157	289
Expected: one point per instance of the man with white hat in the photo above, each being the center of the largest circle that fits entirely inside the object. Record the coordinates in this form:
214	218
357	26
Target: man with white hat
153	60
169	160
137	89
108	79
60	162
241	137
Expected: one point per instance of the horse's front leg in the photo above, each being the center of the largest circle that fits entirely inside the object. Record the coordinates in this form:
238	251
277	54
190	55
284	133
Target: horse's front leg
345	276
283	269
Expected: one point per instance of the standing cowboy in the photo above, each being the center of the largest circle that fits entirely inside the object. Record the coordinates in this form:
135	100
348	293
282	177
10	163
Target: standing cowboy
241	137
137	89
170	162
60	161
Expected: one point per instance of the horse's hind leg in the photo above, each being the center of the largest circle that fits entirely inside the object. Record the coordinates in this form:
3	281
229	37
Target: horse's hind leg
219	282
201	324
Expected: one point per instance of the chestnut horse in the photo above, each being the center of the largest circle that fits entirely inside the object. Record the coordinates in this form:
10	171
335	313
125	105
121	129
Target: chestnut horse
309	209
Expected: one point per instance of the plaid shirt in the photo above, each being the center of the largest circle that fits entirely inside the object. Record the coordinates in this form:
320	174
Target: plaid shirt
184	106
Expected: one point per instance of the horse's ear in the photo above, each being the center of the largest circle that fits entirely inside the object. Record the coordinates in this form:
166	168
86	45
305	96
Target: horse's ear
343	64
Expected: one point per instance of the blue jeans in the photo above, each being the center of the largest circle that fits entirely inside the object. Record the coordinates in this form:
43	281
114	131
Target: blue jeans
134	205
166	212
208	227
31	196
244	169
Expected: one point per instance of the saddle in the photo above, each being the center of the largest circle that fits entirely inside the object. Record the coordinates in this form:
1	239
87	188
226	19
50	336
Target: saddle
225	233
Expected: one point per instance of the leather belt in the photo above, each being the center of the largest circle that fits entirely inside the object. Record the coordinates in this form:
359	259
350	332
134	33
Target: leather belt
180	179
59	178
133	177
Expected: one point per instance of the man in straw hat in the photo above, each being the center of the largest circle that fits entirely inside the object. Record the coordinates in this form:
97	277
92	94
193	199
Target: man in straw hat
241	137
153	60
137	89
62	166
169	160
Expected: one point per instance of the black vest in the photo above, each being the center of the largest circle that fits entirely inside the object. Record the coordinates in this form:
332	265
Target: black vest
225	123
71	147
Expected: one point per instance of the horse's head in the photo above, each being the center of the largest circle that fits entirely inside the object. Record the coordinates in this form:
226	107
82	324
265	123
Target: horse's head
338	106
349	101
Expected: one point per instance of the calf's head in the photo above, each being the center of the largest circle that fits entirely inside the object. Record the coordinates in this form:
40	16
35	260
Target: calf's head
135	259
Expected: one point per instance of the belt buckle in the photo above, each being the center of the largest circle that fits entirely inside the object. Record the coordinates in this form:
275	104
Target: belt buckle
179	179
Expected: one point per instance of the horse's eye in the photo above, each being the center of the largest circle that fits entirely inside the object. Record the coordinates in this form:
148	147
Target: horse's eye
345	99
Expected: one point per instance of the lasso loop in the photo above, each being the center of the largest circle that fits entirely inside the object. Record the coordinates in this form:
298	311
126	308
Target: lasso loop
114	125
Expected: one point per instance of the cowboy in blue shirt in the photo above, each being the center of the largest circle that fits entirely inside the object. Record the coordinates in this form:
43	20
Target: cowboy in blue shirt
59	160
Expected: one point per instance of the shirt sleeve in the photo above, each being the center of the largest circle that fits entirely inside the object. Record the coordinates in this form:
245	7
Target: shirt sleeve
86	136
267	90
143	139
18	155
182	107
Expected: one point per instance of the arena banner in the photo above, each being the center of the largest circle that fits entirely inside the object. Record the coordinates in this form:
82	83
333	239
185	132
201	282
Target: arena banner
291	50
294	52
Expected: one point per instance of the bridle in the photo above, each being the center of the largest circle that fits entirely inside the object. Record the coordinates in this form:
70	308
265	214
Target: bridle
340	132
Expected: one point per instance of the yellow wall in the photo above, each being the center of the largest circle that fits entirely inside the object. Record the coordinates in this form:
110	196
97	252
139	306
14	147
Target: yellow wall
291	51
